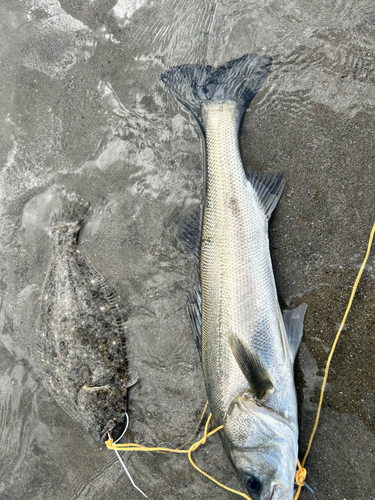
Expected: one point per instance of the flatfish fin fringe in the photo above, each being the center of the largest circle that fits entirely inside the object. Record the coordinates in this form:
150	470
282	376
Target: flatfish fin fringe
111	298
107	291
236	81
110	295
269	188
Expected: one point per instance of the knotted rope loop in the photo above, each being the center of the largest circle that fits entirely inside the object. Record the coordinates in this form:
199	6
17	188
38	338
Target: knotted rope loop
300	475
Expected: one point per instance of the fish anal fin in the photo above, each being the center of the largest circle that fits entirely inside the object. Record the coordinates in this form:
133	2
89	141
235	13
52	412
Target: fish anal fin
194	310
252	367
293	321
268	188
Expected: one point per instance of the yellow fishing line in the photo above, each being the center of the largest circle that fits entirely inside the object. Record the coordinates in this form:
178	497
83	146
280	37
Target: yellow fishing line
301	472
137	447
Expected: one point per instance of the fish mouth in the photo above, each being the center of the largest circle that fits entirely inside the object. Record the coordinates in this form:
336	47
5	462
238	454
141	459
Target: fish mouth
114	427
114	430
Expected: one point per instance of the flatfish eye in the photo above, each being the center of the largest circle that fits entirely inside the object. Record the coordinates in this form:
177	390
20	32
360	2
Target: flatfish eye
94	294
86	374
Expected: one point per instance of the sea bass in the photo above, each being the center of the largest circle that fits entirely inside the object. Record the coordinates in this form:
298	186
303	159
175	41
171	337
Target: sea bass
247	345
81	335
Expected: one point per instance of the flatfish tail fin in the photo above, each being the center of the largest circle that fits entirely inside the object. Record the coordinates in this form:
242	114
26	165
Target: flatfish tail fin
236	81
69	211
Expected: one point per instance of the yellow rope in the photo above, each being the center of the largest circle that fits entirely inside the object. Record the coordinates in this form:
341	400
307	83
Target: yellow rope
301	472
195	446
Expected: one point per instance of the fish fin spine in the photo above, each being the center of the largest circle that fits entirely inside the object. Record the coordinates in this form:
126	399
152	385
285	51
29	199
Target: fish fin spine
236	81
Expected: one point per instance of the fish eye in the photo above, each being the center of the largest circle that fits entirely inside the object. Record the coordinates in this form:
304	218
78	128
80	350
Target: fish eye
252	484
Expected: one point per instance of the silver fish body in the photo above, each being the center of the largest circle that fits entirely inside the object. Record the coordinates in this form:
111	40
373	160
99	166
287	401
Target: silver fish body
247	354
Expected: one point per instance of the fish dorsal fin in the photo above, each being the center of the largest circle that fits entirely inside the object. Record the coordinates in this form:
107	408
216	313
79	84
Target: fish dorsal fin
190	232
252	367
293	321
268	188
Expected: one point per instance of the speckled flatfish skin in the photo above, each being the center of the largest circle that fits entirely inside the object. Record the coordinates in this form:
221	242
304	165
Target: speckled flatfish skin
81	336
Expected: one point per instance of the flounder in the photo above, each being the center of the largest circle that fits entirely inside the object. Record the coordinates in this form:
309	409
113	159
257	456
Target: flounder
81	333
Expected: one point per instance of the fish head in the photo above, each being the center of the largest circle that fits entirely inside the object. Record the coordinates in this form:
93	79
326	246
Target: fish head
263	448
265	473
102	410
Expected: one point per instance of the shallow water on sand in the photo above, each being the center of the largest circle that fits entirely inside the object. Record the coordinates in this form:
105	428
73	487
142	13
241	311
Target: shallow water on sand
82	105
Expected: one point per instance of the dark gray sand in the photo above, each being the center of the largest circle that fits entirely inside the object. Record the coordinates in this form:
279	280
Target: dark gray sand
82	106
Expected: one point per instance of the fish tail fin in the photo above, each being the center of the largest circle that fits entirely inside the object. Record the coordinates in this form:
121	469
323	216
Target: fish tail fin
68	212
236	81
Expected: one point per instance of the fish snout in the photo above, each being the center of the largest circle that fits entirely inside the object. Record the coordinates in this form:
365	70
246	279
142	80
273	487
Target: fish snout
114	429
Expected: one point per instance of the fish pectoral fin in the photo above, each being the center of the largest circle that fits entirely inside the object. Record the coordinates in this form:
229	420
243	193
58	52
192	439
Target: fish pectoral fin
131	380
269	188
194	309
252	367
293	321
96	388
